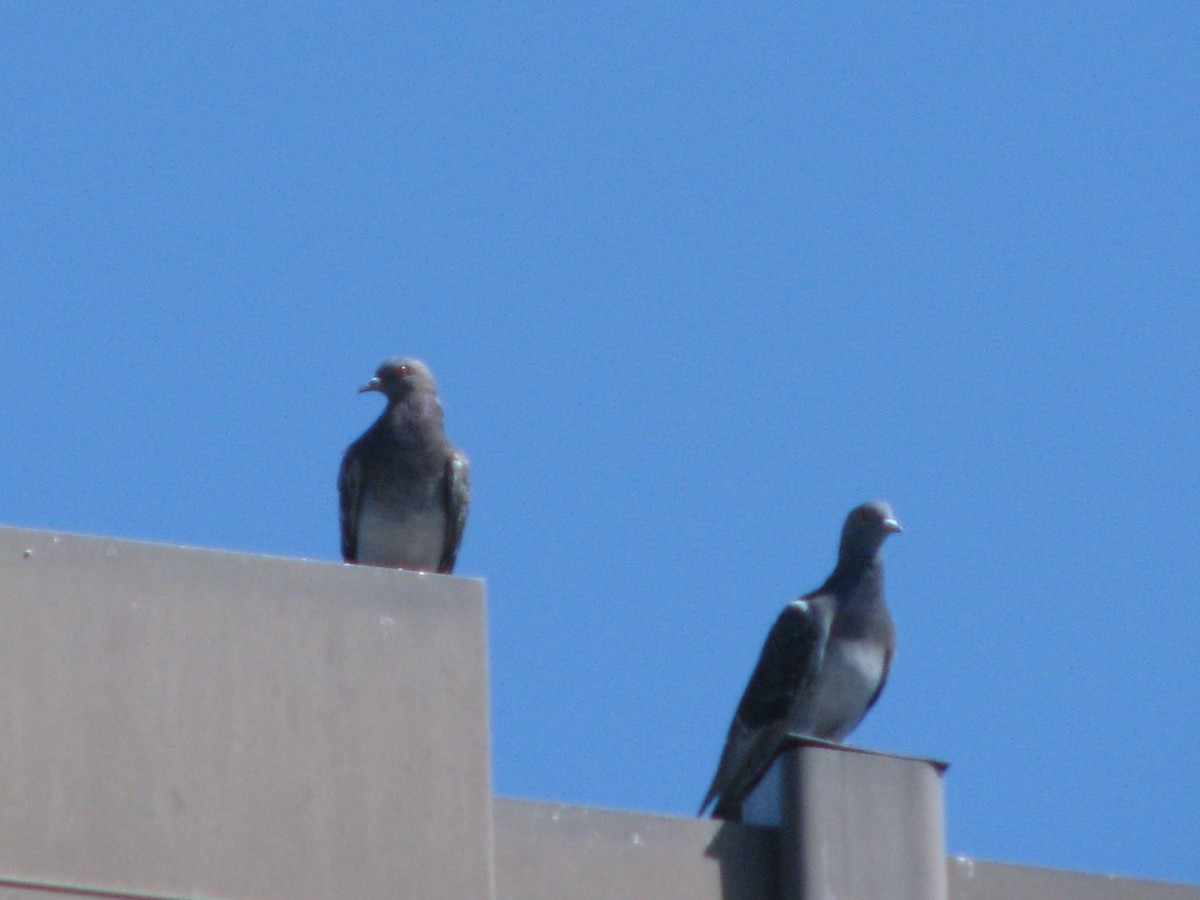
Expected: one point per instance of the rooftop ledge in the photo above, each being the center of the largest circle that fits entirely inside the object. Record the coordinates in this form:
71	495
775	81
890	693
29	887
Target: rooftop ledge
185	723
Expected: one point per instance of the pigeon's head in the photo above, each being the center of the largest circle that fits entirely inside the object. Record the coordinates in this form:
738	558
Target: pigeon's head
866	528
400	377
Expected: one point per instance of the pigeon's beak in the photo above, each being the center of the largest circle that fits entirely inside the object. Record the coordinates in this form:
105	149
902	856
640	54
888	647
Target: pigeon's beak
892	525
373	385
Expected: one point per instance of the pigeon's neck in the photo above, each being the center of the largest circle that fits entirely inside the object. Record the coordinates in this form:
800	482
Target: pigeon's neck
856	574
862	612
416	420
858	553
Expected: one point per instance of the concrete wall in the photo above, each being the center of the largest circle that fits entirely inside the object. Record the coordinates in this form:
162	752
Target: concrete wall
185	722
548	850
974	879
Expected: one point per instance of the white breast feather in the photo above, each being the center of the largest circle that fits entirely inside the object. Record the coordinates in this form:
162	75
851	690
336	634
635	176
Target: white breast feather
849	678
415	543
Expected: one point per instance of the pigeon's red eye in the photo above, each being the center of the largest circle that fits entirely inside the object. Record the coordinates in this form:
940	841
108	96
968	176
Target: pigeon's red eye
403	371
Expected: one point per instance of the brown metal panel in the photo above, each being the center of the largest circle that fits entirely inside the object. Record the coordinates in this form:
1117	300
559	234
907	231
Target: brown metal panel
550	851
972	879
862	825
196	723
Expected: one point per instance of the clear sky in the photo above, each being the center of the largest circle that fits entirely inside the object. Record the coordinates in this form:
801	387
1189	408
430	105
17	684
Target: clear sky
695	280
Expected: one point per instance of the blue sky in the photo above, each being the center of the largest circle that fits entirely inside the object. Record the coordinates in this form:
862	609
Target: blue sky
695	280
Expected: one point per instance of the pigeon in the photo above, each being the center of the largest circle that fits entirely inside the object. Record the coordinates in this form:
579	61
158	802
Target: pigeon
403	486
822	667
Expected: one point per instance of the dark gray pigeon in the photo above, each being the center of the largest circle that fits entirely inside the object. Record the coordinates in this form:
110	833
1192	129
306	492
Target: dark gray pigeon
823	665
404	488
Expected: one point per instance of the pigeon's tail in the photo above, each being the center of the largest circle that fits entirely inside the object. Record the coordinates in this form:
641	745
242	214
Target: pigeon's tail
747	755
723	774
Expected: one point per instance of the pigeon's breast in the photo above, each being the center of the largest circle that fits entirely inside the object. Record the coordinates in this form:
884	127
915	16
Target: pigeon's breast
407	538
849	677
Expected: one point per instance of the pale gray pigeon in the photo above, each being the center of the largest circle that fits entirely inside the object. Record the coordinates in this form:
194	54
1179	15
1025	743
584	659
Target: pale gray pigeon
823	665
404	488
